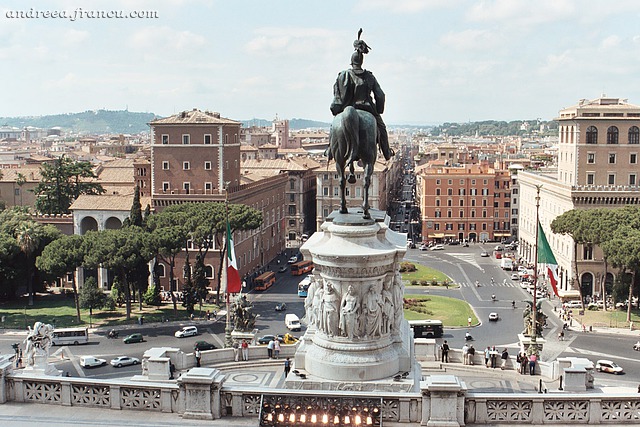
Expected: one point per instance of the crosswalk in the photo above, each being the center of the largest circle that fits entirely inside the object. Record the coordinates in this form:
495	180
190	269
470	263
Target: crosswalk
508	284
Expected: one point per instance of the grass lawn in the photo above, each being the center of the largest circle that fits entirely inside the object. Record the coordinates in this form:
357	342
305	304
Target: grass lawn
452	311
425	273
60	311
609	318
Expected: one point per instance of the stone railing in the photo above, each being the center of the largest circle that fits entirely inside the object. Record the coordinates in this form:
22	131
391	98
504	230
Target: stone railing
108	394
554	409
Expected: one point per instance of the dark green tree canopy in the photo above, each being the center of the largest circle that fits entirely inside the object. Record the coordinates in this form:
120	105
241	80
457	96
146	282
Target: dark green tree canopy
64	181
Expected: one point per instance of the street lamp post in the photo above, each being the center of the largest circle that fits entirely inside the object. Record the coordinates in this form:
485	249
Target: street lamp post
228	342
533	347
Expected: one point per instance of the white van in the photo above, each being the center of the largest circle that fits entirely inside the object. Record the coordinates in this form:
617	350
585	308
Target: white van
506	264
574	304
292	322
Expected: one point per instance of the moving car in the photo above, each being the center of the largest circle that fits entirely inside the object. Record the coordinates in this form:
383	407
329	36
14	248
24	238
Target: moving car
203	345
437	247
292	322
121	361
515	276
484	254
493	317
281	306
293	260
187	331
91	362
282	269
133	338
609	366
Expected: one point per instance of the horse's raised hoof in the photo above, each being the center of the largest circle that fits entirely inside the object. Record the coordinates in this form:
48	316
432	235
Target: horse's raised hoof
344	211
351	179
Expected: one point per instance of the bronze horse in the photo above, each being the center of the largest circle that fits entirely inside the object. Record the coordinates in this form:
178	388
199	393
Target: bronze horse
353	138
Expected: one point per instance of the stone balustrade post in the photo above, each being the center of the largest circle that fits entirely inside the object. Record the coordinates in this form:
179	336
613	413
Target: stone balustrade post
114	393
442	401
202	393
65	393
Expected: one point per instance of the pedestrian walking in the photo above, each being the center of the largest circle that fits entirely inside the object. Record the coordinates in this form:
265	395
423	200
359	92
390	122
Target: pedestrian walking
532	364
236	350
472	353
487	354
198	357
561	336
445	352
465	354
276	348
287	367
270	348
245	350
504	357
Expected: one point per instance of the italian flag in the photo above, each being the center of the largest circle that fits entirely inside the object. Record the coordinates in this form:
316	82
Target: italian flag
545	256
233	277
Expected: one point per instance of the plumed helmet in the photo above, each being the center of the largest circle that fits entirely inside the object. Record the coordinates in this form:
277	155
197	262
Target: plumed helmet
357	60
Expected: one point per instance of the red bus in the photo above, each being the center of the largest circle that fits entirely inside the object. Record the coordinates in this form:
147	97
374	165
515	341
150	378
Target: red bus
300	268
265	280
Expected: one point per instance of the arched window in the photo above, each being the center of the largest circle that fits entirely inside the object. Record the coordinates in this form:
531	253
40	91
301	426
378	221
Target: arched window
634	135
612	135
161	270
592	135
208	271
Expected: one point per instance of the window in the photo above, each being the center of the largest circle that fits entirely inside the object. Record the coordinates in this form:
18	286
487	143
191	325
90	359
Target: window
484	214
634	135
437	182
514	191
437	191
633	158
161	270
449	202
473	213
496	204
591	158
207	166
462	182
208	186
165	165
207	139
460	226
292	198
484	226
16	191
437	202
186	166
449	191
611	179
461	202
587	252
292	223
325	191
292	209
461	192
187	187
438	214
208	271
165	186
449	182
612	135
449	226
292	184
461	214
436	226
632	179
592	135
472	226
186	139
473	182
449	214
473	202
590	178
473	192
485	191
165	139
612	158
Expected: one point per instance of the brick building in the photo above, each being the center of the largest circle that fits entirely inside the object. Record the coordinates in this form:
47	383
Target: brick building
471	202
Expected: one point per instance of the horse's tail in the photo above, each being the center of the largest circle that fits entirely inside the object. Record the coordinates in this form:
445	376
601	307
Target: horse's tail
351	129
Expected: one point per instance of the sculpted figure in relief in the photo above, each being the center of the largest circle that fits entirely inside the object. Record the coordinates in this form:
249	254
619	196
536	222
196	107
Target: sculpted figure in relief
388	310
398	301
330	310
349	313
310	313
372	311
316	306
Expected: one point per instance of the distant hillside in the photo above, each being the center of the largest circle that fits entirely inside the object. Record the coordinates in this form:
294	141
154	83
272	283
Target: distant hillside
88	122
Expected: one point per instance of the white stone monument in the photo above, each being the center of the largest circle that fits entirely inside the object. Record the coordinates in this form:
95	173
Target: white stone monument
36	350
356	331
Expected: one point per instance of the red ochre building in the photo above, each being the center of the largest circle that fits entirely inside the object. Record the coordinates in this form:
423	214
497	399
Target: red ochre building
469	202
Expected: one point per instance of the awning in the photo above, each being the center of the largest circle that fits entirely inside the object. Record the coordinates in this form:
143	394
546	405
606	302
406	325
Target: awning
502	234
450	235
437	235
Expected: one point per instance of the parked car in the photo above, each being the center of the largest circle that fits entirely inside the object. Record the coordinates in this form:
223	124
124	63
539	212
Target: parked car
437	247
293	260
283	269
281	306
91	362
515	276
187	331
268	338
493	317
424	247
203	345
133	338
121	361
498	248
609	366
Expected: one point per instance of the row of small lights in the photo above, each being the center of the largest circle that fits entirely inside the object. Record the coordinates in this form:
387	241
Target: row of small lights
285	415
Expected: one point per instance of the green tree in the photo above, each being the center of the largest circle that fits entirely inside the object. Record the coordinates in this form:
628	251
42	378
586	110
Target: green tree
91	297
200	281
623	251
571	223
188	290
62	183
9	249
121	251
63	256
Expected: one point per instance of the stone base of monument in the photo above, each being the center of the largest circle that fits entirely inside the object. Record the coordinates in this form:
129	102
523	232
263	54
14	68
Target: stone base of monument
42	367
525	342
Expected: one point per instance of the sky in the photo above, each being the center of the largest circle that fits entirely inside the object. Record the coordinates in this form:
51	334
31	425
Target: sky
436	60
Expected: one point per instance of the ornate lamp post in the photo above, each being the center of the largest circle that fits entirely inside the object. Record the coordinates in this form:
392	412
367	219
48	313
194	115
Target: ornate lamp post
533	346
228	342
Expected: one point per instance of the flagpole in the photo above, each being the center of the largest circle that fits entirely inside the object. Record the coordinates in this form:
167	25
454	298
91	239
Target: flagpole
534	342
227	330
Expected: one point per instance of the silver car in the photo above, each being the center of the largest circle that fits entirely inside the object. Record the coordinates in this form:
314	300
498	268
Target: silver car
121	361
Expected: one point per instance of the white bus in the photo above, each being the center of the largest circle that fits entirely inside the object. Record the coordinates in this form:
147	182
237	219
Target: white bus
75	336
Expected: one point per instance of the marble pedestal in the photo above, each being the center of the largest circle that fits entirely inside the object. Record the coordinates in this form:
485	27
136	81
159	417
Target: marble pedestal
356	265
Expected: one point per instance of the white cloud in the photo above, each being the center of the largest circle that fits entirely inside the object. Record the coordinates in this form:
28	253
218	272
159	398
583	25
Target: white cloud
292	41
610	42
402	6
521	12
165	38
470	40
72	36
